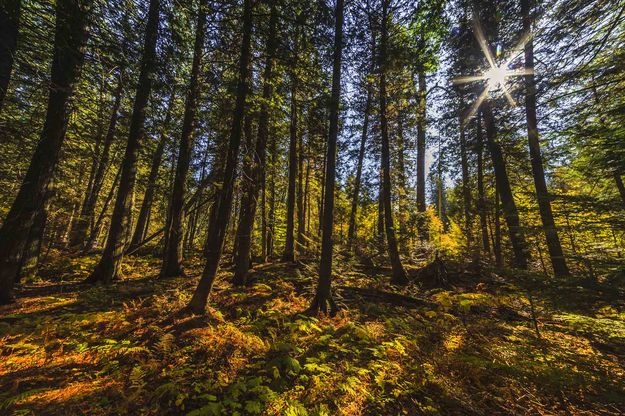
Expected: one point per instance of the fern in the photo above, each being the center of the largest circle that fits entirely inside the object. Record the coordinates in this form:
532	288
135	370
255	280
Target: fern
11	401
166	342
136	377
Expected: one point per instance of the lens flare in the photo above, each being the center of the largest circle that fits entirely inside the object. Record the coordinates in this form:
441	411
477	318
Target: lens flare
496	77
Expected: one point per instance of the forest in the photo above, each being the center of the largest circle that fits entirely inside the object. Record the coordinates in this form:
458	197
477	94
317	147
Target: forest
312	207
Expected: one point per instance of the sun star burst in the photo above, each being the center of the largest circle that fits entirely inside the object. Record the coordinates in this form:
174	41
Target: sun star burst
497	75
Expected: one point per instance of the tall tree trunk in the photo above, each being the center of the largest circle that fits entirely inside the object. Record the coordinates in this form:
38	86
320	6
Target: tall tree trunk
401	184
241	202
421	127
620	186
323	190
95	159
481	202
271	216
307	197
174	227
241	199
253	186
91	241
301	214
80	230
9	30
542	194
497	239
29	262
399	274
70	223
190	246
129	217
146	205
441	199
511	214
223	204
289	246
323	294
351	232
380	221
69	40
108	267
466	190
263	217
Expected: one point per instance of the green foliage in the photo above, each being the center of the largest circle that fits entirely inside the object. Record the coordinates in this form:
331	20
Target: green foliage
277	362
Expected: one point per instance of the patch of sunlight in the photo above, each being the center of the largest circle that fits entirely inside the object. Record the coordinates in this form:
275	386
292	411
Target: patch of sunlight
386	373
605	329
289	304
375	329
44	304
227	343
355	394
72	392
262	289
229	334
453	342
322	387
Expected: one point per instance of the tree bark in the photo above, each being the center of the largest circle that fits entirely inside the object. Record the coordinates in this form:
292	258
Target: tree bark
143	219
193	220
511	214
301	214
351	232
620	186
481	202
289	246
97	225
253	186
466	190
401	185
323	190
421	128
70	223
323	294
380	221
399	274
174	227
223	203
542	193
271	215
108	267
69	40
307	197
241	201
263	217
80	230
497	238
32	253
9	29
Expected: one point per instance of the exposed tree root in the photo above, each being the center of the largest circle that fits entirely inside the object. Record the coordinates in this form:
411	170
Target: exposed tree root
324	304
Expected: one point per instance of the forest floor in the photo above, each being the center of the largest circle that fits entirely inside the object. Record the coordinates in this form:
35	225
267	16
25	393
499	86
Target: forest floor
66	348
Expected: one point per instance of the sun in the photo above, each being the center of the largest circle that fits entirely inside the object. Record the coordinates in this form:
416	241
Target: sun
496	77
497	74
